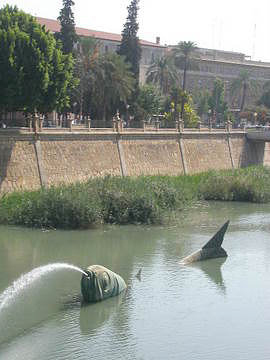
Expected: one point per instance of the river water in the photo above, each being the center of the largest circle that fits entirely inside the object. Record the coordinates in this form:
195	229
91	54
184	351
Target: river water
214	310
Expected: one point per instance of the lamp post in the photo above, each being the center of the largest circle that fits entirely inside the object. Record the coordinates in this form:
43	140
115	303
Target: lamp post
74	106
255	118
210	119
173	115
127	122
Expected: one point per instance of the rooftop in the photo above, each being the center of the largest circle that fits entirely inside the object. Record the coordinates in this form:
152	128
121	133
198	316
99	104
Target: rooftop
54	26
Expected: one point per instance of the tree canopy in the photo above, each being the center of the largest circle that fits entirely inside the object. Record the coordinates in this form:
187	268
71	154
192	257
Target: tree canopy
149	100
34	73
243	86
67	33
178	99
216	101
162	72
130	47
106	82
184	54
265	97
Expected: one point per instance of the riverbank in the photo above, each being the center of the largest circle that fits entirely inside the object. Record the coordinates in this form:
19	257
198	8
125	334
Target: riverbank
130	200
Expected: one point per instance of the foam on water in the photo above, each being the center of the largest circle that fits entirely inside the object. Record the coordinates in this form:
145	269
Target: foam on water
27	279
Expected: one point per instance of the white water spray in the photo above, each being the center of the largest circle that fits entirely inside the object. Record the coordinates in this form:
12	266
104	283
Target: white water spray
27	279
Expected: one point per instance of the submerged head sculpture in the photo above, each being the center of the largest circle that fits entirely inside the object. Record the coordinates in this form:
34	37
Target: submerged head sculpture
212	249
100	283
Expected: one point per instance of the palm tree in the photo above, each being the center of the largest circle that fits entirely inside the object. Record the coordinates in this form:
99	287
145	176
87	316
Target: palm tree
184	55
163	73
244	85
86	63
114	83
105	80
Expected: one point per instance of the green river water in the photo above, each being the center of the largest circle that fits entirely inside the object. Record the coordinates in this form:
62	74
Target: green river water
214	310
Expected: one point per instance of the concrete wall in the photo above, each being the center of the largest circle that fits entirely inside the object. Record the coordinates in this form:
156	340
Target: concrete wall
71	158
204	153
18	164
151	155
28	161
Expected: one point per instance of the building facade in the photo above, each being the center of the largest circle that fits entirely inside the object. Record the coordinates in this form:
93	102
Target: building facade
211	64
227	66
110	42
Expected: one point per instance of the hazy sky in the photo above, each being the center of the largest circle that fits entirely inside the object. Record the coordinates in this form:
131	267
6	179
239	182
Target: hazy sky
237	25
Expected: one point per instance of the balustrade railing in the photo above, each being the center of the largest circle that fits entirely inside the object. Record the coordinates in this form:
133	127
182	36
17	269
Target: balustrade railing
36	124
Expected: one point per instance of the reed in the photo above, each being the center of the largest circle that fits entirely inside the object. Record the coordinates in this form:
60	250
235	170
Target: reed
128	200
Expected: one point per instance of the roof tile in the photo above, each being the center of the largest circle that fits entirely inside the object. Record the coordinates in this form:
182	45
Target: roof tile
54	26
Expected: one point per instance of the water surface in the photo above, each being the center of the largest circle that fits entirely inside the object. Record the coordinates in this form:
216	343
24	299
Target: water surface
217	309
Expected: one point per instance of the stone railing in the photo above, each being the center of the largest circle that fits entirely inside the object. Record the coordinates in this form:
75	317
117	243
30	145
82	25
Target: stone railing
36	124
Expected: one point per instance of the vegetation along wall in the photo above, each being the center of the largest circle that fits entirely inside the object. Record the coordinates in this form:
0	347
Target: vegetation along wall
28	161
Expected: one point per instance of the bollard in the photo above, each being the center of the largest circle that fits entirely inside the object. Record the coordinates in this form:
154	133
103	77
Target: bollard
40	122
229	125
88	121
118	121
210	125
144	125
114	124
181	125
120	125
30	122
69	122
35	119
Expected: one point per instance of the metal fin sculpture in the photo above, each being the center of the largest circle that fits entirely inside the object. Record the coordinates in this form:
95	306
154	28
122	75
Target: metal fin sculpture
210	250
100	283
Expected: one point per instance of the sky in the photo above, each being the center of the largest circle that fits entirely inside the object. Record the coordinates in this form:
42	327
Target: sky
232	25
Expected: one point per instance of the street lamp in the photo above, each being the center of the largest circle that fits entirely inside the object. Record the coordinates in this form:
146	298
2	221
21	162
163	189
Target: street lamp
255	118
127	107
74	106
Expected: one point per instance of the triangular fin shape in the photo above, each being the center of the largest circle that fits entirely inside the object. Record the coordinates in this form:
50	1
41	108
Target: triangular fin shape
217	239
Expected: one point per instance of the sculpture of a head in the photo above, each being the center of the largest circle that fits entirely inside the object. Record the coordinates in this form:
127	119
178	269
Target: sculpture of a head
90	287
100	283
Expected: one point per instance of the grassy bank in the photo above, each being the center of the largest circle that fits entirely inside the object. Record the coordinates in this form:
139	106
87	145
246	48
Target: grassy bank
146	199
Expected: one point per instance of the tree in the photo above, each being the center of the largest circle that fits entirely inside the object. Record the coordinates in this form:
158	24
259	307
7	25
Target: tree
184	59
34	73
130	47
265	97
177	98
216	101
163	73
67	33
87	59
203	102
243	86
149	100
113	83
184	55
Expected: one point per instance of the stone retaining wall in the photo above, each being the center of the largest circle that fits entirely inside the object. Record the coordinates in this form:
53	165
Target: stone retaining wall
78	160
28	161
18	165
152	155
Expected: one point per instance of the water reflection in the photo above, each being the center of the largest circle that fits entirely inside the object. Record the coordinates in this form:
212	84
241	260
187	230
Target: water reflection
93	316
212	269
203	311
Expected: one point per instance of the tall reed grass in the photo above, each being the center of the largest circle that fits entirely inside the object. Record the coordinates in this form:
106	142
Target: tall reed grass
128	200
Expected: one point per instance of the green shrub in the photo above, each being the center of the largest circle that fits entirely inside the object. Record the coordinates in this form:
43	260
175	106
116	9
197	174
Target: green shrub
128	200
249	184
